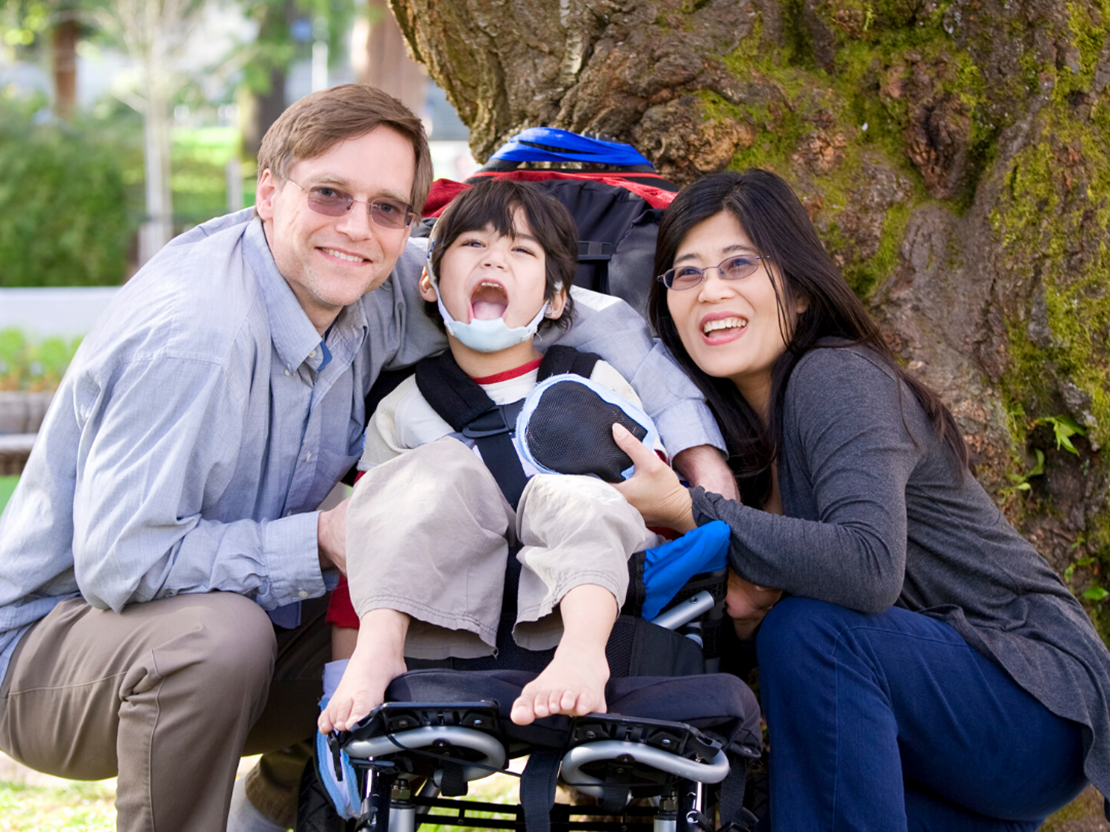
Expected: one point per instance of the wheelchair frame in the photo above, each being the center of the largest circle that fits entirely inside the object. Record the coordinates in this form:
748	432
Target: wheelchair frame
671	763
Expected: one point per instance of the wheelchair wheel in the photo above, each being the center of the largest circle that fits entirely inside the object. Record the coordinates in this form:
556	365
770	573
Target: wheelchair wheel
315	812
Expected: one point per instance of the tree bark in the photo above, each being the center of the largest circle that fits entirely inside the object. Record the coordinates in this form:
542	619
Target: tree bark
953	155
63	59
379	58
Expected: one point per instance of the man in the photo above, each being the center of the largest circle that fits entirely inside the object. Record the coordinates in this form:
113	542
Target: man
170	501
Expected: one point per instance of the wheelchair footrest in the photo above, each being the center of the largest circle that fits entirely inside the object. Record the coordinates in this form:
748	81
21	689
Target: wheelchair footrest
461	734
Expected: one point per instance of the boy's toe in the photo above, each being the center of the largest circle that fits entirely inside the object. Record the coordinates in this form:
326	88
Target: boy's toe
521	713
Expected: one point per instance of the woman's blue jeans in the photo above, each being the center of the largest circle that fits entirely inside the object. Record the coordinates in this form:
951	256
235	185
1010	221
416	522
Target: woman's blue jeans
889	722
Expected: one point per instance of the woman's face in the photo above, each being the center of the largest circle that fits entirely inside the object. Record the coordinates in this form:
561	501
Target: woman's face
730	328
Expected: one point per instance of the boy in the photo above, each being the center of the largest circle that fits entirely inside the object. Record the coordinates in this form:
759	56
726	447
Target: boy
427	524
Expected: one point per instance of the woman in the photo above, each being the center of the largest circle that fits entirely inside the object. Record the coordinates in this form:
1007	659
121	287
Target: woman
925	669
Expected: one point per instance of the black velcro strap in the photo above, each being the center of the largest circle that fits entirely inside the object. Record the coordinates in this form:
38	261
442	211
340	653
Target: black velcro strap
592	251
451	781
464	405
498	452
732	793
559	360
537	788
614	793
453	394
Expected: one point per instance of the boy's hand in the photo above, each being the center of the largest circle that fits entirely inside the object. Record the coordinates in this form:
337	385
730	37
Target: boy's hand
654	490
331	537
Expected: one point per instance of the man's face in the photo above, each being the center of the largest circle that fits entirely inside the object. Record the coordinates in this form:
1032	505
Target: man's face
330	262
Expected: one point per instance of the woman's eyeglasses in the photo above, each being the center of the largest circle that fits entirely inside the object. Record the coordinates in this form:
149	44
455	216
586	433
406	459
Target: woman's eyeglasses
332	202
736	267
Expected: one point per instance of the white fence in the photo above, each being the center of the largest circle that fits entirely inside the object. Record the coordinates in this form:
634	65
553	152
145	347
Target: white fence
64	312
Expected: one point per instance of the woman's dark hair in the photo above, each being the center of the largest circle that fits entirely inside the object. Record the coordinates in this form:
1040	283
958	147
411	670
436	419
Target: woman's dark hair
493	202
779	228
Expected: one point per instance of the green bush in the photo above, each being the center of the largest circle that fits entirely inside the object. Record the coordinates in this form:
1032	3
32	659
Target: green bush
63	205
27	365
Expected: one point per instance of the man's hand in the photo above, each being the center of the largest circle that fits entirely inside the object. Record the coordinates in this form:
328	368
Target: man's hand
746	604
331	537
654	489
705	466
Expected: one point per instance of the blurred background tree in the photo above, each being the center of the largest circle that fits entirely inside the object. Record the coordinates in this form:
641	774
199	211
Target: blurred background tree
206	78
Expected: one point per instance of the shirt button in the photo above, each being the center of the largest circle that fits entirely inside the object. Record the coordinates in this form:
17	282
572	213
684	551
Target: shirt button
287	372
303	594
308	457
312	354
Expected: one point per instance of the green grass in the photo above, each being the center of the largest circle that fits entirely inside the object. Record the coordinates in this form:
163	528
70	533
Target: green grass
7	486
76	807
500	788
89	807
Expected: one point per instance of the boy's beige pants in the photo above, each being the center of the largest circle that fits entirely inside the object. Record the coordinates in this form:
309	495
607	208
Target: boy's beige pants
428	534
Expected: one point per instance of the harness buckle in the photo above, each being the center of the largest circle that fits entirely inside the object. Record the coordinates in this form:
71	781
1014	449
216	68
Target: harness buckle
500	419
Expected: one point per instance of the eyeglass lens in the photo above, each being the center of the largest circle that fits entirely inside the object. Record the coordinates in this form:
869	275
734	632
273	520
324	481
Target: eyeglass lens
388	213
732	268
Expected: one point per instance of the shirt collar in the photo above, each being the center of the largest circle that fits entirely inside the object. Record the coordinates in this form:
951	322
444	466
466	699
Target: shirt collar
295	338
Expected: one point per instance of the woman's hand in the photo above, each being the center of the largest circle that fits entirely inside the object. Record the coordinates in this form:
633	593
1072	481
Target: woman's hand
654	490
746	604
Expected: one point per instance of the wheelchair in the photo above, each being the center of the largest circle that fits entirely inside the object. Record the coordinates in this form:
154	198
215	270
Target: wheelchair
673	750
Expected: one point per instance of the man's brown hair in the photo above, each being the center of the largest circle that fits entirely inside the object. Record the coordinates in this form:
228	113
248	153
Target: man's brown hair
317	122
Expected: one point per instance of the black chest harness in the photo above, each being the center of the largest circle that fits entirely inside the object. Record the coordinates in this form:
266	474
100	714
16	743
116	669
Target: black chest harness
465	406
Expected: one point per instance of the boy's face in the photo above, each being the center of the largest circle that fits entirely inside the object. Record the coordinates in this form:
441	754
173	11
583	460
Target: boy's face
484	275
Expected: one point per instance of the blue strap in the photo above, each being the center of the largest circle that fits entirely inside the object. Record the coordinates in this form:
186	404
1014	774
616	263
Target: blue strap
667	568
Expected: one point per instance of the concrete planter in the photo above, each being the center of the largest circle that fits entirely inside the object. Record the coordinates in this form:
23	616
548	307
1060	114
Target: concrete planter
21	412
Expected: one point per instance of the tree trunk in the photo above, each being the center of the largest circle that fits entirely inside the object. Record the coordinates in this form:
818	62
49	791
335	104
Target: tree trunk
955	157
379	58
157	230
63	55
264	106
263	109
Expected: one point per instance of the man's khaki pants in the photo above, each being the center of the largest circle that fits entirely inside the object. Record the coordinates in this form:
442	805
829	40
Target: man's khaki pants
167	696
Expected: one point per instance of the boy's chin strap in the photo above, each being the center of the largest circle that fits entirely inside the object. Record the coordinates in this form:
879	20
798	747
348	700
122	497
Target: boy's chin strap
489	335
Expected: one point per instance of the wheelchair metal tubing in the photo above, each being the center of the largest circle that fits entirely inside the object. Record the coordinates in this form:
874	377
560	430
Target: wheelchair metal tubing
375	806
713	771
417	738
693	807
402	813
666	816
686	611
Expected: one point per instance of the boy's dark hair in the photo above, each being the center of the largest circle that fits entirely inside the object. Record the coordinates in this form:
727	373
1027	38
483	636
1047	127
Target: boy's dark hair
492	202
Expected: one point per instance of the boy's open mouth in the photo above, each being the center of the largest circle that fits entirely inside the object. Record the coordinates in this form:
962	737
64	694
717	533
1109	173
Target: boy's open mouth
489	301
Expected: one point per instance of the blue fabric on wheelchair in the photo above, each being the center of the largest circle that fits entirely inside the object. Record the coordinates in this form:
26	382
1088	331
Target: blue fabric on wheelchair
667	568
715	702
343	794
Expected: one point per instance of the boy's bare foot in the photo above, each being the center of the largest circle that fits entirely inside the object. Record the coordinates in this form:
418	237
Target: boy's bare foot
573	684
377	660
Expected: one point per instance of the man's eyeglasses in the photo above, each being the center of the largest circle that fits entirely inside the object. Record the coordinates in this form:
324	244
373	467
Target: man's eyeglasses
332	202
736	267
